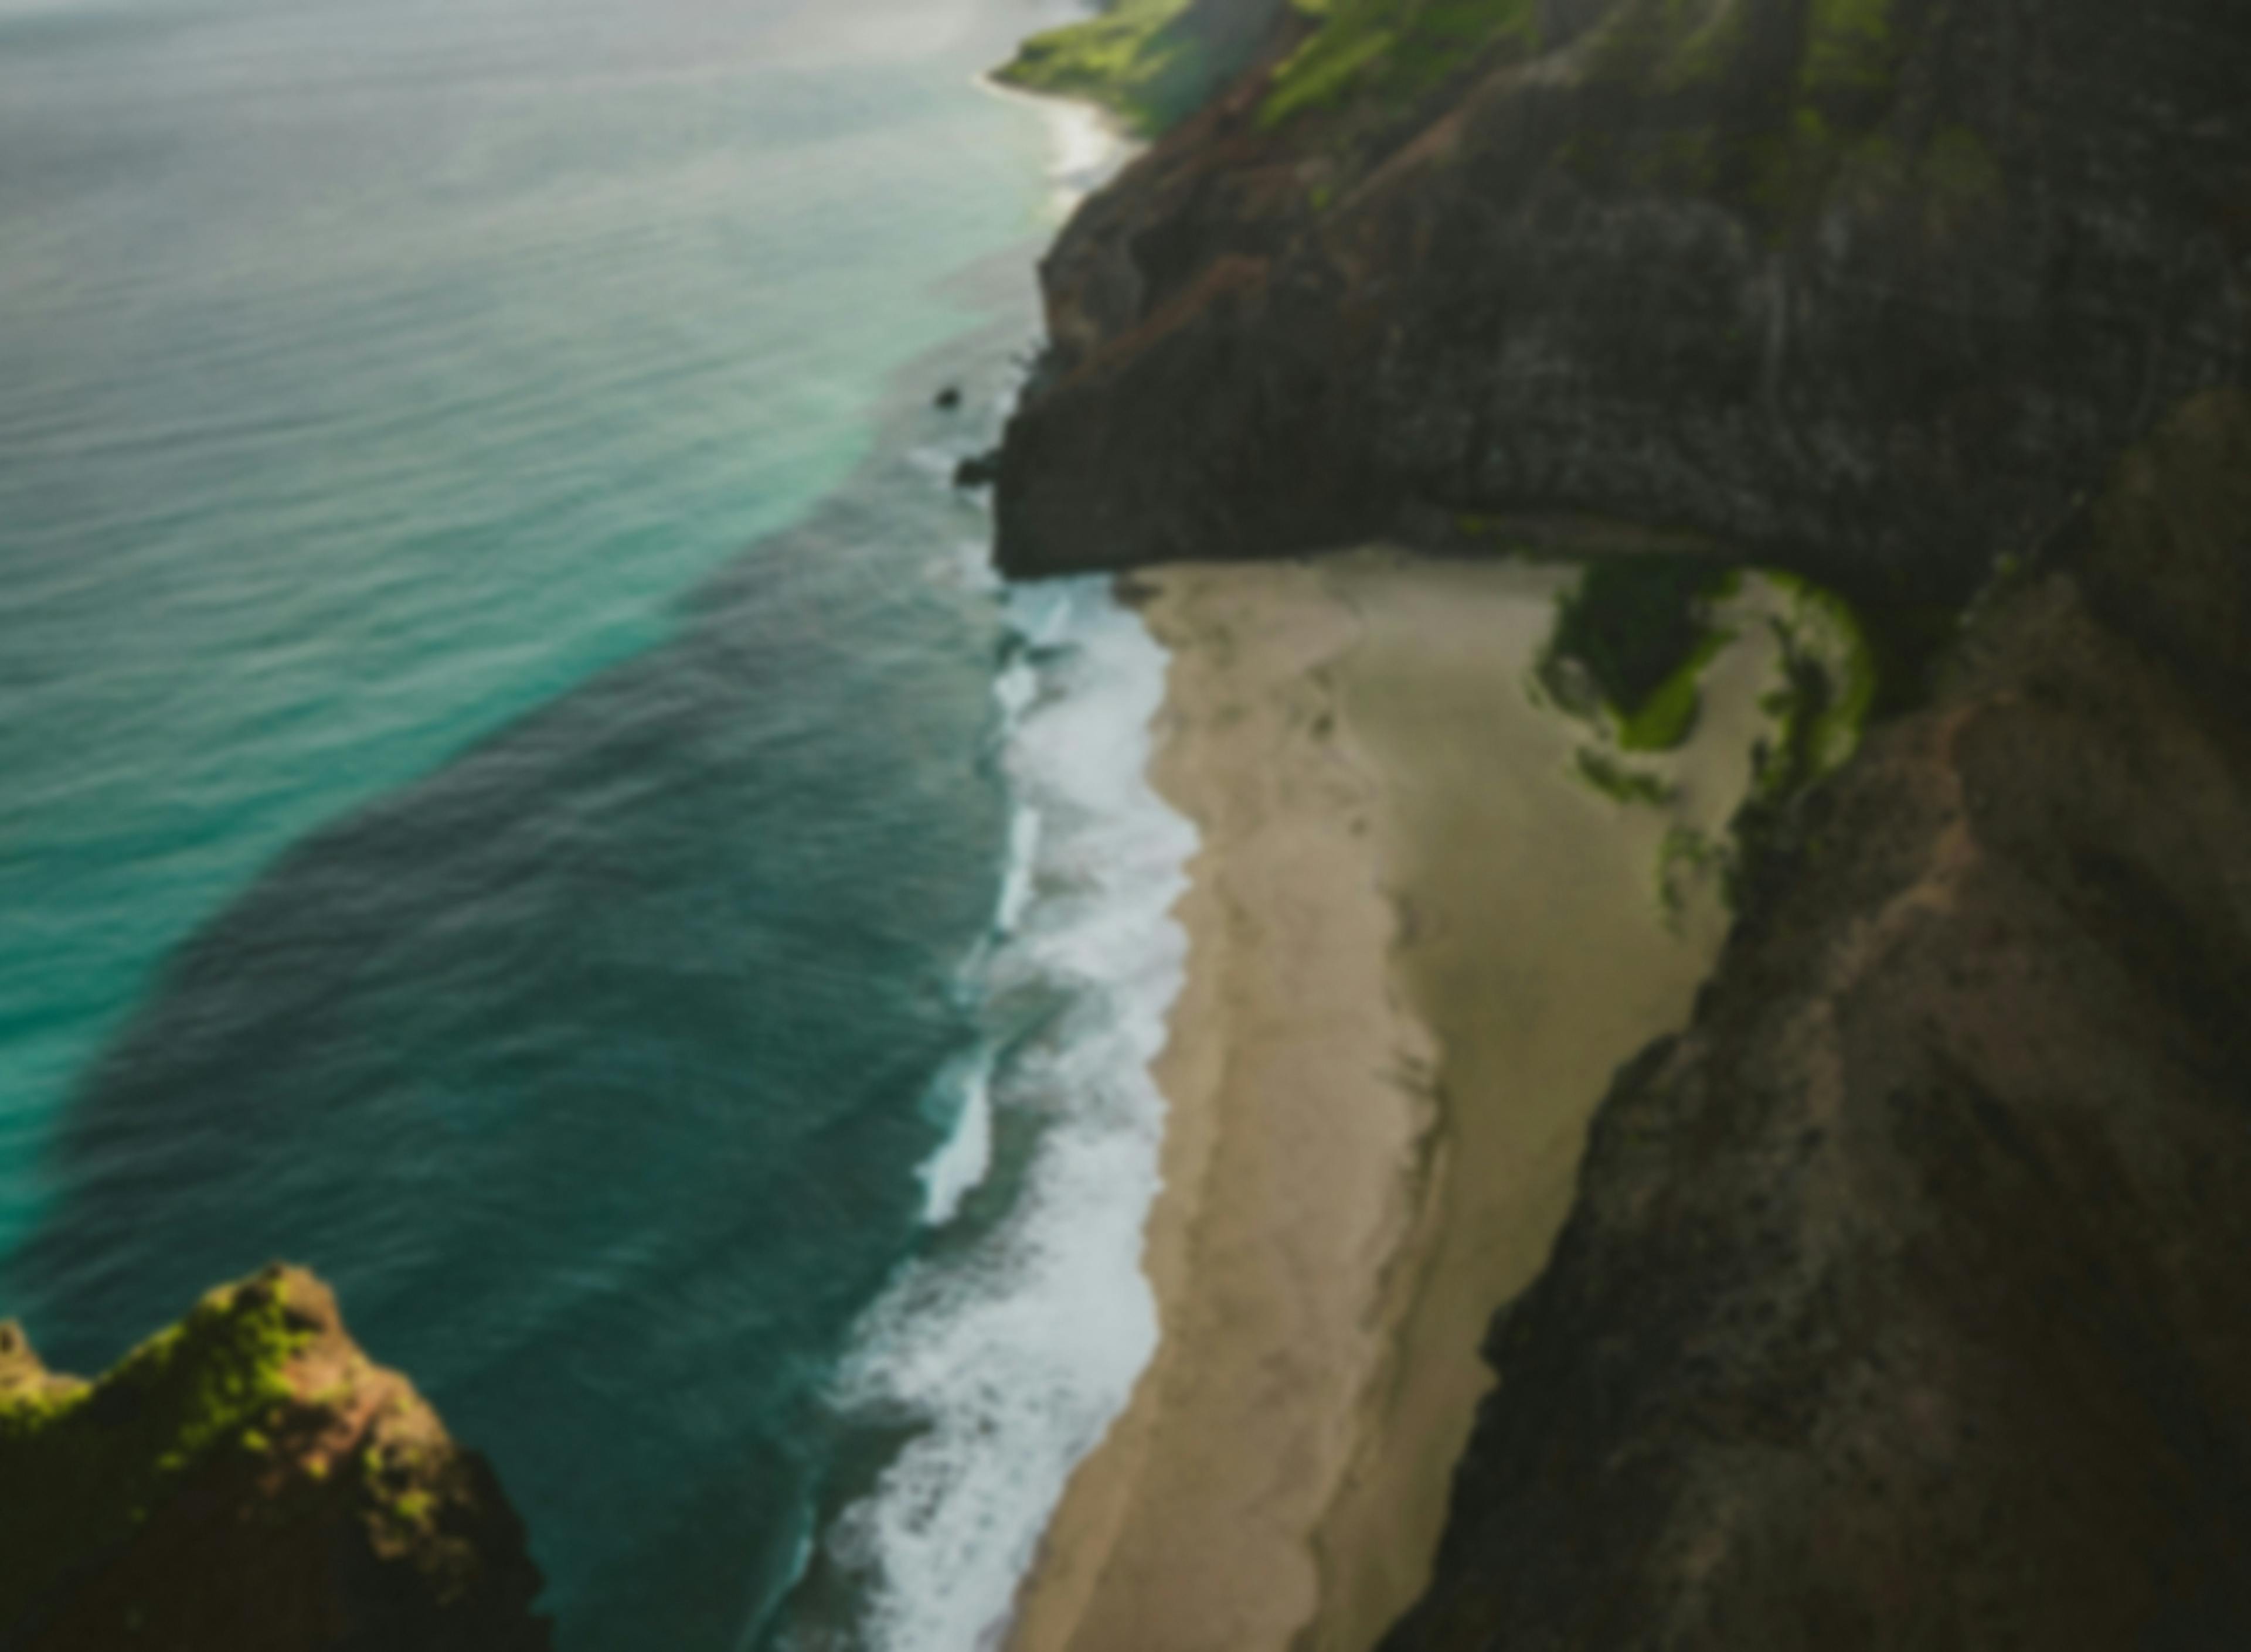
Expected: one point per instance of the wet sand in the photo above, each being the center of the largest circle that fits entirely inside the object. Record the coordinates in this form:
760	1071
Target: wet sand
1419	947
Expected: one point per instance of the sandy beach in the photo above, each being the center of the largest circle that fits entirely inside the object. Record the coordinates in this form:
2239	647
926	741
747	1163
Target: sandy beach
1419	946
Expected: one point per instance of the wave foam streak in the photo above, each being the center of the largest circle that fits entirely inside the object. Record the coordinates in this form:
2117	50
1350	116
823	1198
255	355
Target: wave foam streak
1011	1347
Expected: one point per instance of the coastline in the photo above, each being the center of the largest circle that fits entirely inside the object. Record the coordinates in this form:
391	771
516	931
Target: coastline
1418	946
1089	143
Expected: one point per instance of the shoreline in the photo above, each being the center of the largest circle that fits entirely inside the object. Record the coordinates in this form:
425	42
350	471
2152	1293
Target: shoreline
1089	143
1378	1089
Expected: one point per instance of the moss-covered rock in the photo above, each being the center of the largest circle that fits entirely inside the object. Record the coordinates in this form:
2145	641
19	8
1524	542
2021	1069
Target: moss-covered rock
246	1480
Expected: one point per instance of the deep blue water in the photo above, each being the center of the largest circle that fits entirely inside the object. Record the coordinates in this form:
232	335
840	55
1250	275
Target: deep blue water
515	790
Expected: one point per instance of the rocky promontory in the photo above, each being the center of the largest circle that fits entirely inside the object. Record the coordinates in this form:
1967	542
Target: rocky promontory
248	1481
1871	288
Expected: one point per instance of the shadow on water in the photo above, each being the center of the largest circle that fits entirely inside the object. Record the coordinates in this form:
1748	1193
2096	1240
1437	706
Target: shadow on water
588	1068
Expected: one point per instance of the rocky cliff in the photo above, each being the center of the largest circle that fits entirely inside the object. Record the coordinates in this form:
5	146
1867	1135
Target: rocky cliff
1875	288
247	1481
1903	1303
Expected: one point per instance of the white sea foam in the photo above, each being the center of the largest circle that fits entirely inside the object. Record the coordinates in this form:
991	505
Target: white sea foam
936	461
1023	862
968	565
1085	145
958	1169
1014	1351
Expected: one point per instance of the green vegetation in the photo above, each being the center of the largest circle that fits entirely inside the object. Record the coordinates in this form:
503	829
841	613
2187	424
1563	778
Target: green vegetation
1961	179
1686	858
1129	60
1708	50
1774	136
1640	629
1394	50
1669	45
1847	51
1828	690
1822	639
1621	784
1637	633
84	1466
1632	642
1667	717
1848	47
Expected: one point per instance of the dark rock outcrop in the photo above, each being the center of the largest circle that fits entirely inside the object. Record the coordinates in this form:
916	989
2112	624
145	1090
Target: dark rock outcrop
1903	1305
1870	287
247	1481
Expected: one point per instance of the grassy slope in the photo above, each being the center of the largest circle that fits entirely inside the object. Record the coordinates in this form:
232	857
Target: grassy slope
1130	59
1392	51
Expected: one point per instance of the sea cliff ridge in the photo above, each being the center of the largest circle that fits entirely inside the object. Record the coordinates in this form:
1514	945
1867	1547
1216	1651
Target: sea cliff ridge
1871	288
1900	1302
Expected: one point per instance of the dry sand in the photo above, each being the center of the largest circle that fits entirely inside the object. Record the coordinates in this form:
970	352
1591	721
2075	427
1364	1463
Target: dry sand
1419	947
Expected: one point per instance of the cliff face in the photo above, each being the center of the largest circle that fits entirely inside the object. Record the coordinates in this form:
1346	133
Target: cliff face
246	1482
1870	287
1903	1303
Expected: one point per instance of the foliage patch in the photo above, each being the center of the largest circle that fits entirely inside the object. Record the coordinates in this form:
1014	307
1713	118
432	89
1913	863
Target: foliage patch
1394	51
1129	60
1621	784
1641	630
84	1467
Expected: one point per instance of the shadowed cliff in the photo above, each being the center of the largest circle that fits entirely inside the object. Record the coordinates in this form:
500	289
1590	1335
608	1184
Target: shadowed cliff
1875	288
1902	1305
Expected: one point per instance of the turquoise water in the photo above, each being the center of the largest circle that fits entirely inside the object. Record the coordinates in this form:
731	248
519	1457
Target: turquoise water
516	791
370	373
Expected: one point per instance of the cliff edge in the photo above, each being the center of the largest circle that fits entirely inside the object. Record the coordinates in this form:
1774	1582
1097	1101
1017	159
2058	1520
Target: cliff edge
1871	288
246	1481
1902	1304
1150	63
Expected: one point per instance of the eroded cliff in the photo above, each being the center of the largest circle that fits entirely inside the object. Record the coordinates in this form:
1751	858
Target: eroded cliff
1875	288
247	1481
1902	1305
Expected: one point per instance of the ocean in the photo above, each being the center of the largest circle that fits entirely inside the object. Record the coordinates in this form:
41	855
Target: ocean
519	791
